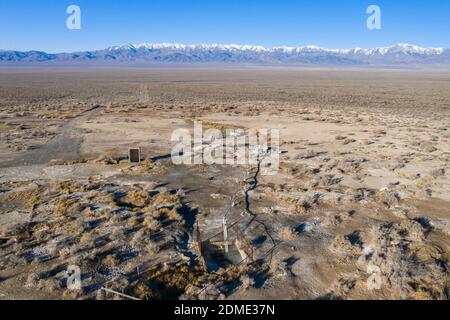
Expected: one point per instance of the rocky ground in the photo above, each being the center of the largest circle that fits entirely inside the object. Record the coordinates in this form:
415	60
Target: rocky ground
358	210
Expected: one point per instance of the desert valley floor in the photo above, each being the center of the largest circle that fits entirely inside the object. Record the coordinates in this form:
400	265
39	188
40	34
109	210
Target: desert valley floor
360	208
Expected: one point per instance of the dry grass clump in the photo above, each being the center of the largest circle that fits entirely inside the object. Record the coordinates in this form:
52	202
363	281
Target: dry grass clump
309	154
297	206
4	127
137	198
27	198
150	186
91	230
347	245
409	261
111	261
64	205
15	232
151	223
168	282
185	282
107	159
213	287
310	202
141	198
107	198
287	234
142	168
165	199
14	184
167	213
152	248
143	241
348	141
87	238
134	222
68	187
329	180
222	127
390	198
420	296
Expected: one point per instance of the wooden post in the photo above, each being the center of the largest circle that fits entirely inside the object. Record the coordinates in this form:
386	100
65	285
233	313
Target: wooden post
119	294
225	235
243	245
200	249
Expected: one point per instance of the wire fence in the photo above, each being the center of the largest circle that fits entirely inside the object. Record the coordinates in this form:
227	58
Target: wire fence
222	236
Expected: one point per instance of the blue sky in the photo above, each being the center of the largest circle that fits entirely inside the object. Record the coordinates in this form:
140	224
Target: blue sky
41	24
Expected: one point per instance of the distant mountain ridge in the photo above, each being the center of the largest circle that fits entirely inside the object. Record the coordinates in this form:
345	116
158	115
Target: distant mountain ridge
165	53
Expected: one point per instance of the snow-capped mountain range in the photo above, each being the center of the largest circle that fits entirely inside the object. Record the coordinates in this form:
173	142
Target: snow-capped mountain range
165	53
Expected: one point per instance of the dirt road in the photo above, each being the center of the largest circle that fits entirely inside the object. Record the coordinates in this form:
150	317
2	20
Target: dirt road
64	146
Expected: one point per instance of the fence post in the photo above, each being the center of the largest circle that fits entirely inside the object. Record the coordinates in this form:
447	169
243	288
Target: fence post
225	234
200	249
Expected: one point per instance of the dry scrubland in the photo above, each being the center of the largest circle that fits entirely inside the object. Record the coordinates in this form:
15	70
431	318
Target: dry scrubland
363	188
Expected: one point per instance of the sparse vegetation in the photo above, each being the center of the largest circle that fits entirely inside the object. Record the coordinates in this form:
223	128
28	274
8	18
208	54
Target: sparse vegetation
362	184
